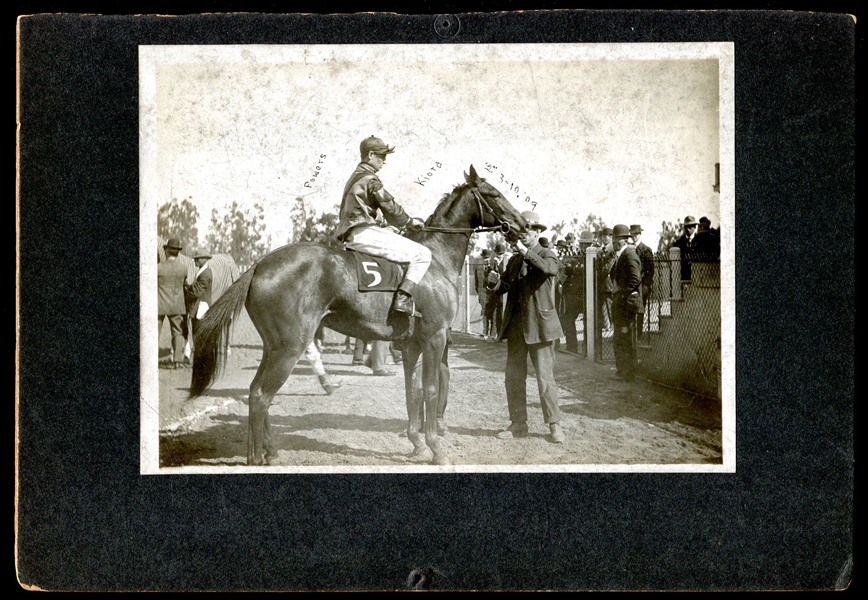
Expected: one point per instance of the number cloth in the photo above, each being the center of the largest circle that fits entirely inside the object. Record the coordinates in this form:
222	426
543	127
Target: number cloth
377	274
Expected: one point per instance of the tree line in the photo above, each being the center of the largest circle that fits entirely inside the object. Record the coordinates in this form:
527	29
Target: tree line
241	233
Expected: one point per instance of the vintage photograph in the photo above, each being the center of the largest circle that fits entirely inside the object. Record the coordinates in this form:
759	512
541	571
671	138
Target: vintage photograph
420	258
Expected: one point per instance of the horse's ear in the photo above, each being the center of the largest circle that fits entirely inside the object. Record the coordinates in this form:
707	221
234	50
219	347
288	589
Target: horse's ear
466	176
473	175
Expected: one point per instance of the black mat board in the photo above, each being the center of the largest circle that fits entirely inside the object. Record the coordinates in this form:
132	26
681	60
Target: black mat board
86	519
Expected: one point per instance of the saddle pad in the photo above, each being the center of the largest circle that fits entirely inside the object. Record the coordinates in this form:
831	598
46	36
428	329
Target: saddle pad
377	274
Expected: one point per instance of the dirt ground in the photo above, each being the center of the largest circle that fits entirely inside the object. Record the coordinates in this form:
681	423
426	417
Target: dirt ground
606	421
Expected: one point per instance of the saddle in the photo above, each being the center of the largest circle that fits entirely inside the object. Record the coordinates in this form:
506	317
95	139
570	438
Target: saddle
377	274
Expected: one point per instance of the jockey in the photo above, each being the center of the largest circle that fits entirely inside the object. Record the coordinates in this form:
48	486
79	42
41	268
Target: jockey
358	229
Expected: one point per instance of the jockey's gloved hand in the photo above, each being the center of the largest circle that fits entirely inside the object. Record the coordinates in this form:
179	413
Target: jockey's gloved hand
415	223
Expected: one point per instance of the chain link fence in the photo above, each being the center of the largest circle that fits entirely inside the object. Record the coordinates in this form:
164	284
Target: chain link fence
677	336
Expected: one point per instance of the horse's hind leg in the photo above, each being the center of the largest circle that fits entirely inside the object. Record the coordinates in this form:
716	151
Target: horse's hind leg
256	415
277	364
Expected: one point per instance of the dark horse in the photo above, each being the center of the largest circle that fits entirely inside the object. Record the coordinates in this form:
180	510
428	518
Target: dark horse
293	289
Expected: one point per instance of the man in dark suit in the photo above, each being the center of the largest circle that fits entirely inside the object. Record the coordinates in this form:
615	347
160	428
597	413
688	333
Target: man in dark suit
171	278
494	308
480	273
646	256
199	293
687	244
530	326
626	276
572	291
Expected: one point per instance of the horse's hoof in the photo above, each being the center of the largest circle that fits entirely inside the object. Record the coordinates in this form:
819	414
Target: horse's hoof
271	460
442	461
417	452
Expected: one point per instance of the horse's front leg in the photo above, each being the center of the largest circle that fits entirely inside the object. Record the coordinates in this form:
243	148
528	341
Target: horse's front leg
431	359
443	393
413	394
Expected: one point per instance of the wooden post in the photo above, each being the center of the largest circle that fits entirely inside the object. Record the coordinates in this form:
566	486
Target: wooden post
467	294
591	301
675	273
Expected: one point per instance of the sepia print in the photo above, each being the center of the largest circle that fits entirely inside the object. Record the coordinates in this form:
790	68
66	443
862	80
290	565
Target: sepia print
246	153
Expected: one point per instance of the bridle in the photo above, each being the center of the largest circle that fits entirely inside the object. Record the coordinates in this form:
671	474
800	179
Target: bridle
502	226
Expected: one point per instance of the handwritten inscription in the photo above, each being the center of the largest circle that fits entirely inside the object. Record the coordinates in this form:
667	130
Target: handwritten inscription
316	172
427	176
514	190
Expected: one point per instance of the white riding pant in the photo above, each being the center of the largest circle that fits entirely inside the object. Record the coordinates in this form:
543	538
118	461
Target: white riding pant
312	355
381	241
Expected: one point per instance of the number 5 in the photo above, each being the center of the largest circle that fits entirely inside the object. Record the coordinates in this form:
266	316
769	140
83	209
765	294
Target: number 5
372	271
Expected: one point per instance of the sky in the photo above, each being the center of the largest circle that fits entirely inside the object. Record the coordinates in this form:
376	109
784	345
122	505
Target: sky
628	132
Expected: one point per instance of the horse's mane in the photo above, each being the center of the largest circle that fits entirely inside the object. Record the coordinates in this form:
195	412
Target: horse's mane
449	198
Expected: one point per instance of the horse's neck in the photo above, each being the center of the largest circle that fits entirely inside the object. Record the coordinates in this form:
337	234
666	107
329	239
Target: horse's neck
449	249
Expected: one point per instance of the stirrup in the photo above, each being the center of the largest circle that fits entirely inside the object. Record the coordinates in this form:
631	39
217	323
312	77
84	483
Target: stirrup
404	303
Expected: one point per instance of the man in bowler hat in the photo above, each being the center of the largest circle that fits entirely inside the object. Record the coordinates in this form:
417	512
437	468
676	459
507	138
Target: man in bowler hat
626	275
530	326
199	292
688	245
646	256
171	277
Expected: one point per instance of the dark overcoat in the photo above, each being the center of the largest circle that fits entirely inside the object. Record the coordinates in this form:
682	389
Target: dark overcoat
530	282
627	276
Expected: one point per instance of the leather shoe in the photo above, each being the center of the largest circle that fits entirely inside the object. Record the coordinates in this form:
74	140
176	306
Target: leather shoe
515	430
383	373
556	434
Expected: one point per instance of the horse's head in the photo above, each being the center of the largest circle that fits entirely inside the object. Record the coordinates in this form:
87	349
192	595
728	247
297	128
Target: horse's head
496	209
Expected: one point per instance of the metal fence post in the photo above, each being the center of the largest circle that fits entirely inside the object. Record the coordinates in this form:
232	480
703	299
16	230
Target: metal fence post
590	301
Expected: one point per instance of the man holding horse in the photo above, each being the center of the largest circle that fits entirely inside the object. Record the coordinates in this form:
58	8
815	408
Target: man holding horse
363	196
530	326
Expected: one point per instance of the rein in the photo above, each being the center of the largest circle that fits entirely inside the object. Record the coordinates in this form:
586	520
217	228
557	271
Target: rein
503	226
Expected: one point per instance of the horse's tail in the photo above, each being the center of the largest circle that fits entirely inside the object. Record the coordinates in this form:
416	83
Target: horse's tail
212	334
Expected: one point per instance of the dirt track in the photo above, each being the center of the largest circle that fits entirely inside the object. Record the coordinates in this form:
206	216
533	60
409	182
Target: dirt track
606	421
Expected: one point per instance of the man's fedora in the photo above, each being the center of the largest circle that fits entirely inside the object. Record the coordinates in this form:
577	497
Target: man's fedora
688	220
533	220
635	229
202	254
586	237
620	231
174	244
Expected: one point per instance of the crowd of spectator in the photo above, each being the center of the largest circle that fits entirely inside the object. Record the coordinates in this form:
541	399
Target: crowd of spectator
699	241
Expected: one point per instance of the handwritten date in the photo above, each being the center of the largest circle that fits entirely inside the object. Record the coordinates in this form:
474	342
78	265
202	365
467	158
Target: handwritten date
513	189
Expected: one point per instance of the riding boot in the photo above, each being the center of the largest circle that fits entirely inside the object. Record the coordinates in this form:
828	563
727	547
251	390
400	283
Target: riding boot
404	298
